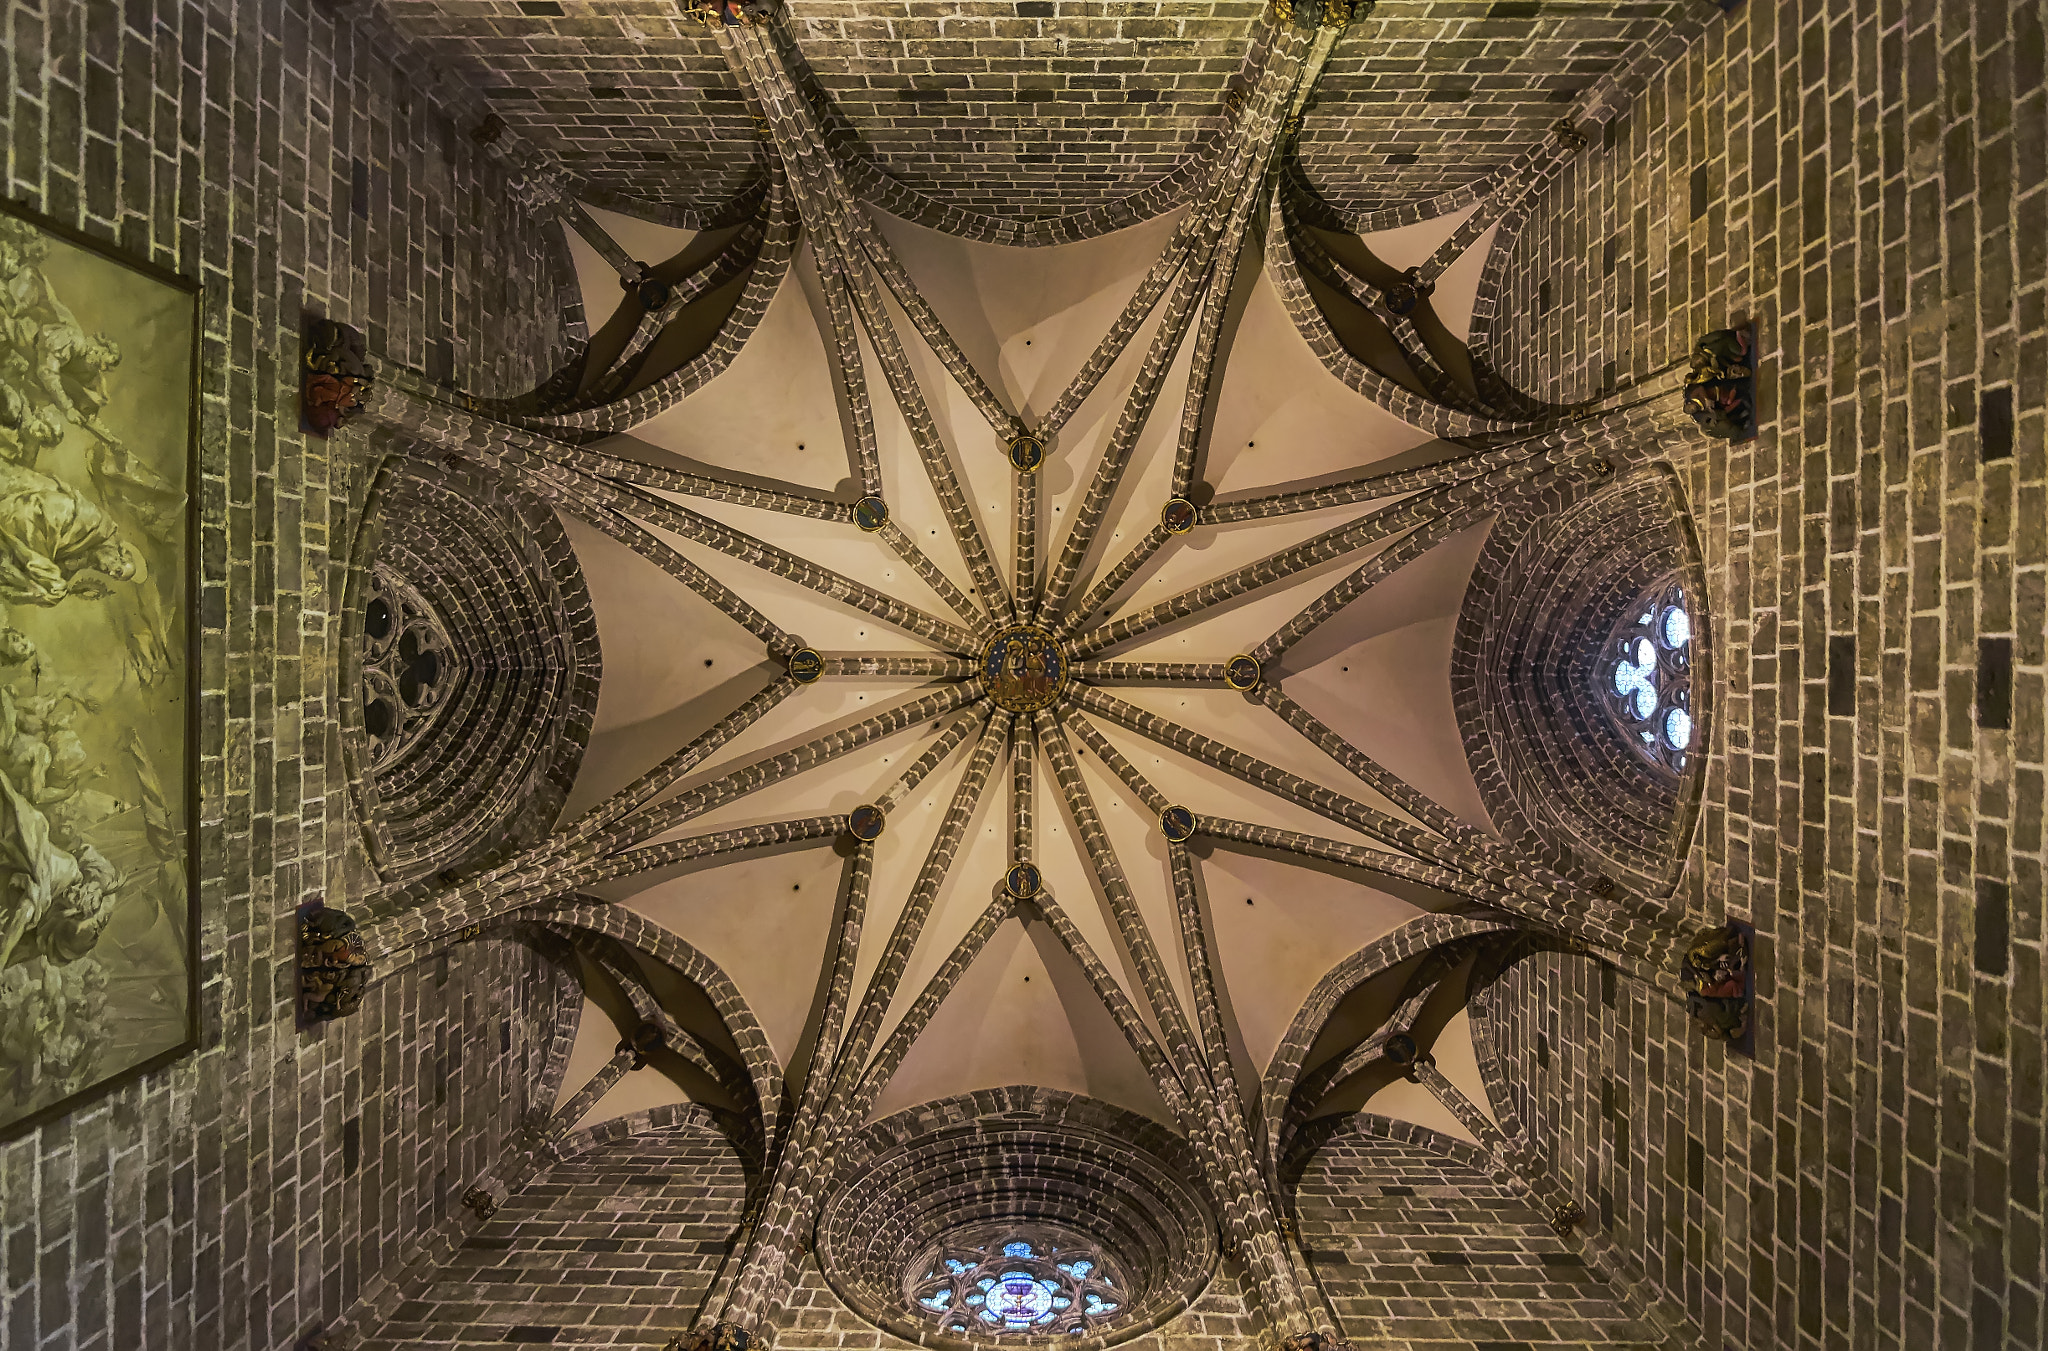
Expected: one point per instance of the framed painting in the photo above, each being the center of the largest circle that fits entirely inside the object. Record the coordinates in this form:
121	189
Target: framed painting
99	360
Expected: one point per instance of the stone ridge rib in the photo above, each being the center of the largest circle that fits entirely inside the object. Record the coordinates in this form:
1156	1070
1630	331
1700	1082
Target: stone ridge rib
764	1281
811	173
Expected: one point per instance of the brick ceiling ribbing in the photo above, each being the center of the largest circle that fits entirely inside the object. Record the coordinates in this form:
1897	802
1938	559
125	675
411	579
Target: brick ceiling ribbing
1029	108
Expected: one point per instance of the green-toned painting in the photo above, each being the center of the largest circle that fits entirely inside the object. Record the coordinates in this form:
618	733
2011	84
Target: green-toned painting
97	895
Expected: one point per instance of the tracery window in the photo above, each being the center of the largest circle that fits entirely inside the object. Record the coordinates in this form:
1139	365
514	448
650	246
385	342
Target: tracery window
409	666
1646	679
1012	1282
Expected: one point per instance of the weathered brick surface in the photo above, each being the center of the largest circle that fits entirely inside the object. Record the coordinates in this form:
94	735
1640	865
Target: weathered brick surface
279	154
1866	180
1025	109
1420	1249
1423	97
616	1247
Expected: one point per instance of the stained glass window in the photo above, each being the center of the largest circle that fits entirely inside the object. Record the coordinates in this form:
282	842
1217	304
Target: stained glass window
1009	1284
409	666
1646	679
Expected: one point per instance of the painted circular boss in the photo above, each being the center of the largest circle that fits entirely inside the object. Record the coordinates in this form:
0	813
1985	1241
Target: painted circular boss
1023	669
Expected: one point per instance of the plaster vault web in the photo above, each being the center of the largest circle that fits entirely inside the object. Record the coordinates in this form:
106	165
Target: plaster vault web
1020	672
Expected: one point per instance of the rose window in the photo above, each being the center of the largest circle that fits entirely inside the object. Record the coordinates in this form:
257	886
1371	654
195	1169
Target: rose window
1646	680
409	666
1012	1284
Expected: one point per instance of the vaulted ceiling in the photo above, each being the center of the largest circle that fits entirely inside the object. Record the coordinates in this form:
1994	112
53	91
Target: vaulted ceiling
1027	109
674	666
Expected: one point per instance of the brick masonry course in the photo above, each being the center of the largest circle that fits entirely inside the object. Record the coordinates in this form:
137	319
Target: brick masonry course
1866	182
282	155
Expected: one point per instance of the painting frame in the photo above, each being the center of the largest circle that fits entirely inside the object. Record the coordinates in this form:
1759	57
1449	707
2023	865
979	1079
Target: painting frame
187	682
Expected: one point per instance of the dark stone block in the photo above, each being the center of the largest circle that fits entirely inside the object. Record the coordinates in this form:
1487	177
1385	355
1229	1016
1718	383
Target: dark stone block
1994	927
1994	682
1994	424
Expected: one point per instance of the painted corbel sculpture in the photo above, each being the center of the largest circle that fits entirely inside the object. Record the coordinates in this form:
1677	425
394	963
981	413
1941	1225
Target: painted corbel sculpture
713	1337
1720	388
1719	990
334	969
332	377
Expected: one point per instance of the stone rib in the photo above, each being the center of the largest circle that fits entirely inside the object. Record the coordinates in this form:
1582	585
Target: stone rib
557	479
714	489
764	1280
922	317
1216	233
849	370
1109	583
835	586
775	1225
775	768
1395	833
919	1015
1253	1208
810	174
1092	737
1396	790
920	563
1154	283
1150	672
480	903
1024	561
1023	789
643	542
1635	945
650	785
594	1088
1125	1015
600	388
1364	578
1279	567
1366	489
955	732
900	665
859	236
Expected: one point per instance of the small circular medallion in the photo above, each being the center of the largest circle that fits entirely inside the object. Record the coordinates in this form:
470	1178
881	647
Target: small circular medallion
1021	881
1241	672
1027	452
805	665
1023	669
1400	1048
865	822
1178	823
871	514
1178	516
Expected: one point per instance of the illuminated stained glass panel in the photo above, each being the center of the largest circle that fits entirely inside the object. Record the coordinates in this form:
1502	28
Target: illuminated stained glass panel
1009	1284
1646	679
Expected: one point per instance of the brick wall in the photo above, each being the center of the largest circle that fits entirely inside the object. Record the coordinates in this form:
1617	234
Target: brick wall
271	149
616	1247
1866	180
1414	1246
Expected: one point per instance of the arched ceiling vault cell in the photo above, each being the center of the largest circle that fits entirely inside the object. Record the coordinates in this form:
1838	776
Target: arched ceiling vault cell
1032	668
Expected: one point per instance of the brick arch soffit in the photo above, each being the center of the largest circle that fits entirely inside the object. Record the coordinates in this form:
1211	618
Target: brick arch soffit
744	1128
873	184
1317	1133
1482	1003
1533	798
723	287
1053	1106
522	577
585	915
637	931
1418	937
